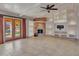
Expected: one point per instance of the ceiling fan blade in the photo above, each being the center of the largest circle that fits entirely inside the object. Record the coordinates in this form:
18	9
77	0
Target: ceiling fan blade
43	7
52	6
54	9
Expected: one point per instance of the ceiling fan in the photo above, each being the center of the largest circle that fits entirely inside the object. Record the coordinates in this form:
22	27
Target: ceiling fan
49	7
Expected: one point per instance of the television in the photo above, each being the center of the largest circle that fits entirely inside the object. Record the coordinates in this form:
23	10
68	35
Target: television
60	27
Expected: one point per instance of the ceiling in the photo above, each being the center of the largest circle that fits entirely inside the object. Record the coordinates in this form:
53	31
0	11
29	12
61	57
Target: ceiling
31	9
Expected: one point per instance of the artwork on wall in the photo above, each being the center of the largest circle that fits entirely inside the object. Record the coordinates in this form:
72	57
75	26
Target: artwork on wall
17	28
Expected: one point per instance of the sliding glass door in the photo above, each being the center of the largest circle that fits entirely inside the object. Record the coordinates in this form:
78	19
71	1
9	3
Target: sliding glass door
17	28
7	28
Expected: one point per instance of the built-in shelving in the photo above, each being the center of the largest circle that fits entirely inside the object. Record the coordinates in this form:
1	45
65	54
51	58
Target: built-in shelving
62	17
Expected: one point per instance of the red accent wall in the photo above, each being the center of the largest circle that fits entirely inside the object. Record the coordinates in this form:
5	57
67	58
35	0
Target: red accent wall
1	29
13	29
24	27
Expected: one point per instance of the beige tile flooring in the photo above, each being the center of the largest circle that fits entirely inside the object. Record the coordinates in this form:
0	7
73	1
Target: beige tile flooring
40	46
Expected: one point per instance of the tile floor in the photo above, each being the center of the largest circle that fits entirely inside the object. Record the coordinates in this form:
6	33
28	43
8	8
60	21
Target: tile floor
40	46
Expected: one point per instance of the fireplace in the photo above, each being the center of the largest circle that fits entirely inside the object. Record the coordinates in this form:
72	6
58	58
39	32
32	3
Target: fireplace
40	31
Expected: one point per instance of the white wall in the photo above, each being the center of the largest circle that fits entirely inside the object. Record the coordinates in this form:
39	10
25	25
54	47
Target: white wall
52	22
49	27
65	17
77	17
29	27
60	18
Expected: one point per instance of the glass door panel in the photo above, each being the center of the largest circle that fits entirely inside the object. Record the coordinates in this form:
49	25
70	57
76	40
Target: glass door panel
17	28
